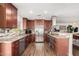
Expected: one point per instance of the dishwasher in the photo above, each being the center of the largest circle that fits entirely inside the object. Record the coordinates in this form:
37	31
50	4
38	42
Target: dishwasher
21	46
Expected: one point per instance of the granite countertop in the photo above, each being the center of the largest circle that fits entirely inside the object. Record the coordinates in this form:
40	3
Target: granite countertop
60	35
12	39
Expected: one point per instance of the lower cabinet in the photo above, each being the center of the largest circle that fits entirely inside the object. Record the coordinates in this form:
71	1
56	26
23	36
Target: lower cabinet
59	45
62	47
0	49
29	38
15	48
45	38
33	38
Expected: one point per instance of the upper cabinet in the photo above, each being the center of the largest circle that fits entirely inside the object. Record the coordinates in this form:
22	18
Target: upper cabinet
47	25
31	24
14	16
39	22
25	23
8	16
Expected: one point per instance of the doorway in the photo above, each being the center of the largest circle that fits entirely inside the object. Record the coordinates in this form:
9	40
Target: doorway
39	30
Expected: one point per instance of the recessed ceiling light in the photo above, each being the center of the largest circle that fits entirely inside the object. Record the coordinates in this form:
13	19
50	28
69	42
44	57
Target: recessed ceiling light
45	12
31	12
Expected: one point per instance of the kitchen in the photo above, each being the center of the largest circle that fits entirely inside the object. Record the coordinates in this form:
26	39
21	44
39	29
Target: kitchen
25	33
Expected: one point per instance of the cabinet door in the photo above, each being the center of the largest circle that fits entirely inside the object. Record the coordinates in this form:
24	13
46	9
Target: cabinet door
47	24
30	38
11	16
0	49
14	16
62	47
15	48
8	15
33	38
24	23
30	24
2	16
45	37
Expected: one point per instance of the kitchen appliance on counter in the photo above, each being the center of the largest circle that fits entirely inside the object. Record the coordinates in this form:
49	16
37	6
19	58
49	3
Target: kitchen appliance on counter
28	31
56	28
76	29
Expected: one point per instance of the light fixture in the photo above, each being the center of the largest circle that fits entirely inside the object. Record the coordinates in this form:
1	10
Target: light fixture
45	12
31	12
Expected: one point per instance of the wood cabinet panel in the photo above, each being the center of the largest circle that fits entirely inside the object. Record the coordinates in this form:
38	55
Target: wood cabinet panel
45	37
47	24
30	38
15	48
0	49
33	37
26	41
2	16
62	47
24	23
39	22
30	24
14	16
8	16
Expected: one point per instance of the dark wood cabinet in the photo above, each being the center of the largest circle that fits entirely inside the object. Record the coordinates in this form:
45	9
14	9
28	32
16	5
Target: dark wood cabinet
31	24
0	49
25	23
8	15
45	37
29	39
33	37
15	48
2	16
47	25
26	41
14	16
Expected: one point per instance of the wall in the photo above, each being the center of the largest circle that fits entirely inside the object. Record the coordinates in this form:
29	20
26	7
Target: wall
20	21
74	24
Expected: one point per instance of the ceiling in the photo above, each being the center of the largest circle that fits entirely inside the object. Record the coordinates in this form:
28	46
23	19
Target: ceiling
65	12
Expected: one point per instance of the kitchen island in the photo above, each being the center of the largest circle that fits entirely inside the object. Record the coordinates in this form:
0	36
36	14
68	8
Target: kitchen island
59	42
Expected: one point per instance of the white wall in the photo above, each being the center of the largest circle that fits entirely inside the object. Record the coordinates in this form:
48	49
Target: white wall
74	24
20	21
